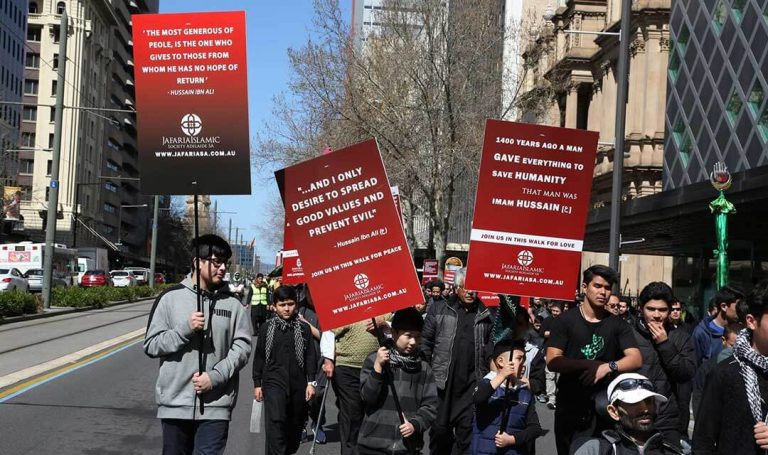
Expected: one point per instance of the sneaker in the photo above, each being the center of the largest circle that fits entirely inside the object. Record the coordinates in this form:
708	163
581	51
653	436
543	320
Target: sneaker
541	398
551	405
320	437
304	435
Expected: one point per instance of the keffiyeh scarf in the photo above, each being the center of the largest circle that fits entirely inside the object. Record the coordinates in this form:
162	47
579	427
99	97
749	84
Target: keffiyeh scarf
751	362
283	325
405	363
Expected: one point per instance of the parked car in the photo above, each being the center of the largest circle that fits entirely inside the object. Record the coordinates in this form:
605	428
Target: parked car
35	280
96	278
122	278
11	279
159	278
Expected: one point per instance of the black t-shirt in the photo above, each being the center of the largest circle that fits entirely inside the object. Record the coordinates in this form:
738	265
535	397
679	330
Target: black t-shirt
605	341
548	325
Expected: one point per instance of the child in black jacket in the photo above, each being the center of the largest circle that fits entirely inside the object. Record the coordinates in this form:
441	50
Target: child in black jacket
284	369
381	430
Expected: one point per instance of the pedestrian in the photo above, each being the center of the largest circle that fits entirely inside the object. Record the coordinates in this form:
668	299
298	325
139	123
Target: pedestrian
588	346
625	312
547	328
732	414
284	369
730	334
633	407
351	346
260	298
707	336
505	419
677	316
614	302
455	334
668	357
399	363
195	408
435	291
306	313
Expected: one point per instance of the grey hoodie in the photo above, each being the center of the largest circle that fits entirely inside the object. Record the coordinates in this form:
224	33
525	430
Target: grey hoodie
227	348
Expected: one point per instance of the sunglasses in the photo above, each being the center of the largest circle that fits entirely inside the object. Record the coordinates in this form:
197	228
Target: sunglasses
615	305
634	384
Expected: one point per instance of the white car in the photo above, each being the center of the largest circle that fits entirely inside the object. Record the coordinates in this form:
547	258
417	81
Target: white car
11	279
122	278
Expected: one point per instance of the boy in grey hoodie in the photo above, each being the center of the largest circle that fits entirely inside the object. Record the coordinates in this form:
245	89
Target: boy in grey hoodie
174	334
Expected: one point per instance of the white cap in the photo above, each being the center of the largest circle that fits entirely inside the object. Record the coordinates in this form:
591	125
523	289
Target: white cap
633	396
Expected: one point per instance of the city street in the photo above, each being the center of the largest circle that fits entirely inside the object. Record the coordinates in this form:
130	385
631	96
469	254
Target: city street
106	406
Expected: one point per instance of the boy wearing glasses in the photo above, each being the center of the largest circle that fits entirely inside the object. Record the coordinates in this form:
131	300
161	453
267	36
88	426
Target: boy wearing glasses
632	405
177	332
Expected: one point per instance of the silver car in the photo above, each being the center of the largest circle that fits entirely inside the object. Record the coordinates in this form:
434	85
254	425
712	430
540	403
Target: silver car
35	280
11	279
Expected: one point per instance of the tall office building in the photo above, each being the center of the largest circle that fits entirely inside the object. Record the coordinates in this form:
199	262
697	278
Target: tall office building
13	25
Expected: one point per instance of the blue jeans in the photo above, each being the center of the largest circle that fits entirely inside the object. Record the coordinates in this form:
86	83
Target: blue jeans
194	437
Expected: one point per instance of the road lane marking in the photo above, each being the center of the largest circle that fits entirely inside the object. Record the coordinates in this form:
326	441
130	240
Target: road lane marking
53	369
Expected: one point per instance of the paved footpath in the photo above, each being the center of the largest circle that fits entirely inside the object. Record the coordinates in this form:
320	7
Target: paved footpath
102	402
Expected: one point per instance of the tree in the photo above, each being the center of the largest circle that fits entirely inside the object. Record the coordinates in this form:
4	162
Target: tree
423	83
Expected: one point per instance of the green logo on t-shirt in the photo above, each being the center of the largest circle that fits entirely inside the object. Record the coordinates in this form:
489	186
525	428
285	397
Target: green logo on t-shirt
592	350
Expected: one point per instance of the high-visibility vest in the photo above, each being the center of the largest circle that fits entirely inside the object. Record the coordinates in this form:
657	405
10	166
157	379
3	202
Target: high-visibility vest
259	295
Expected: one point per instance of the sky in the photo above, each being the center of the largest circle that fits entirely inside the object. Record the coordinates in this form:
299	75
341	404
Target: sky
274	26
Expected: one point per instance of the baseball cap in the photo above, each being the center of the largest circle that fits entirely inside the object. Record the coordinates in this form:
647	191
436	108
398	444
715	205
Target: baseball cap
632	388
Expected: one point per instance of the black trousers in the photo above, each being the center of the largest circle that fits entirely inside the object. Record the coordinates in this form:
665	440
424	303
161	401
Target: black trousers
571	424
258	317
185	437
346	386
285	416
454	434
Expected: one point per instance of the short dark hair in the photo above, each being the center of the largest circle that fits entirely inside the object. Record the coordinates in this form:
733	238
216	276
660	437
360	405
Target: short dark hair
733	327
657	290
603	271
259	275
557	303
507	345
284	293
436	283
727	295
211	245
757	302
407	319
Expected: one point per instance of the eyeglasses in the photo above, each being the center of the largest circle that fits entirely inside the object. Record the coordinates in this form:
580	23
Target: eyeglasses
634	384
216	263
676	309
615	305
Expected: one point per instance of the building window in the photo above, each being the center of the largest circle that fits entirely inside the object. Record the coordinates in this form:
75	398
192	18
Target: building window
738	9
50	141
26	166
52	117
30	113
54	86
48	167
109	208
32	7
55	61
27	139
762	125
756	99
719	15
32	60
734	107
674	65
111	187
112	166
61	7
31	86
26	193
682	38
34	34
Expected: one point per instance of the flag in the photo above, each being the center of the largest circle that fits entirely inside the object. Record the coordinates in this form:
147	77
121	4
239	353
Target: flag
253	243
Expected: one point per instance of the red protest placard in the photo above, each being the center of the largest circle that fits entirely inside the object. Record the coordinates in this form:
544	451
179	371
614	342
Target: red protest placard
489	298
293	272
429	268
347	231
192	103
530	209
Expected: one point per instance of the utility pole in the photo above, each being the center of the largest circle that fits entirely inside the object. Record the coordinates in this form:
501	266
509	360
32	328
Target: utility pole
216	217
621	116
153	253
229	234
53	194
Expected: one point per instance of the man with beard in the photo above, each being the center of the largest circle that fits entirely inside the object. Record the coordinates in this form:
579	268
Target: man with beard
588	346
668	356
614	301
454	337
732	414
633	406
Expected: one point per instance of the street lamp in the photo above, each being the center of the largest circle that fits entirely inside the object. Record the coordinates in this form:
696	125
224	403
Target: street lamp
120	220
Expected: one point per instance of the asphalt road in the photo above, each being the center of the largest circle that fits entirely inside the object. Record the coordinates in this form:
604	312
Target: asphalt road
107	406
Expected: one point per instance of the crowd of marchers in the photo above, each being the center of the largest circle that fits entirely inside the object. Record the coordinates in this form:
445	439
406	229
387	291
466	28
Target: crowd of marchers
453	376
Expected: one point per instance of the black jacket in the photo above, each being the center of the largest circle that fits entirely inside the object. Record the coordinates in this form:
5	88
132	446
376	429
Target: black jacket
618	443
666	365
440	331
724	424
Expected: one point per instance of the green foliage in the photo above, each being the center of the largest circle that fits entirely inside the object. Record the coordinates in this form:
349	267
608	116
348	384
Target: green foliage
16	303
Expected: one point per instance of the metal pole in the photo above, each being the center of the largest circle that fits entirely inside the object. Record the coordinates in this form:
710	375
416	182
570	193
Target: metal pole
621	116
198	292
229	234
153	252
53	195
216	217
120	226
76	214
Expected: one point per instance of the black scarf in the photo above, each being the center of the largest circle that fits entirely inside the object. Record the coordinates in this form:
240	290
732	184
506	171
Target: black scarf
751	362
283	325
409	363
